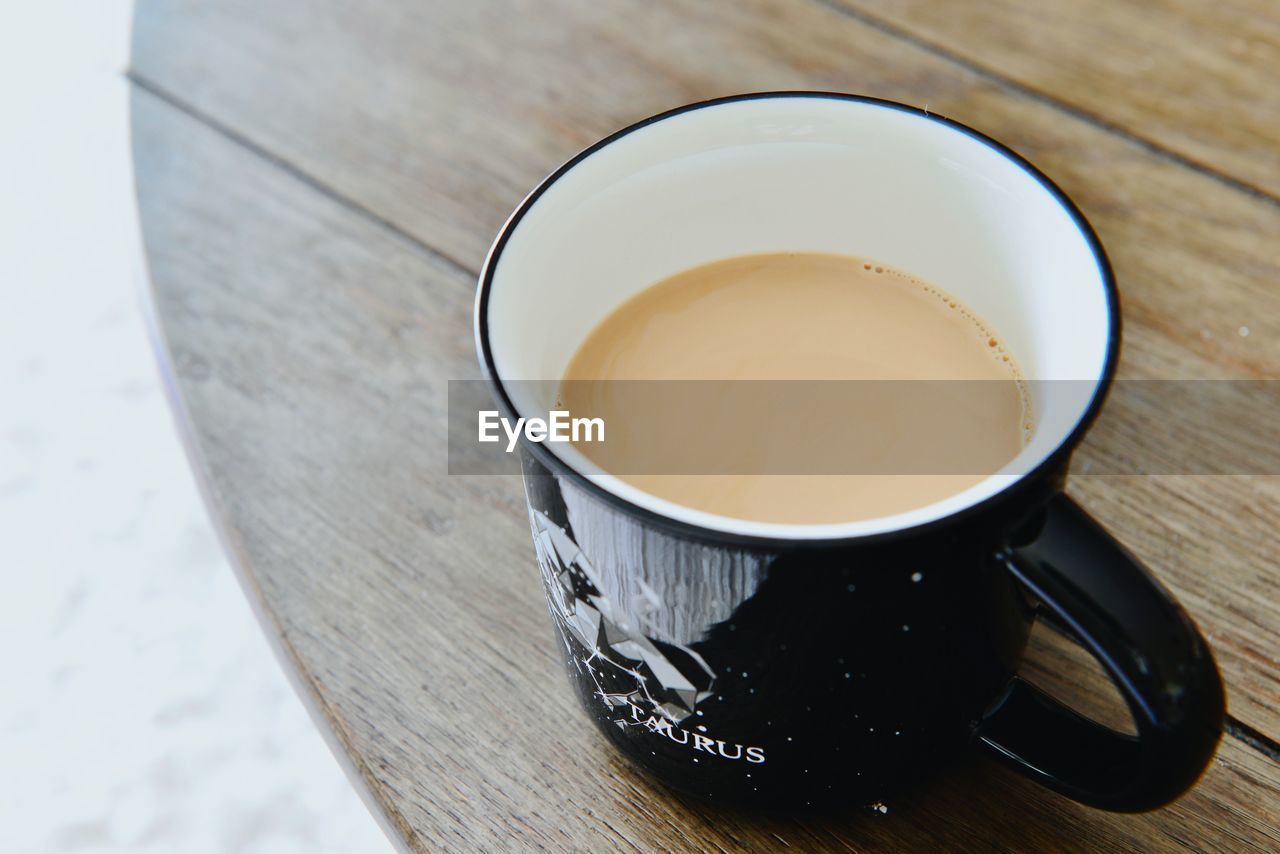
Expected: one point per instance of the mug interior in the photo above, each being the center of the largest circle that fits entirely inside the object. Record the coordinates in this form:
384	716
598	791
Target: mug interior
795	172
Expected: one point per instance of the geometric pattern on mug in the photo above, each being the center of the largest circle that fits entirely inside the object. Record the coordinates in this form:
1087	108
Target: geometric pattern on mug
627	667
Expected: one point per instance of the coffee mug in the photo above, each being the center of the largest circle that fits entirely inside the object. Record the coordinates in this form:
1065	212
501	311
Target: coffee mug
782	664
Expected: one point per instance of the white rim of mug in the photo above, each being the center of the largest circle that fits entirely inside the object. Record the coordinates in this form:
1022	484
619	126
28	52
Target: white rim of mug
767	535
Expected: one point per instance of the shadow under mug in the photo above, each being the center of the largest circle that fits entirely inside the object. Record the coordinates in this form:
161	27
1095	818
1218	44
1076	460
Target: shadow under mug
791	664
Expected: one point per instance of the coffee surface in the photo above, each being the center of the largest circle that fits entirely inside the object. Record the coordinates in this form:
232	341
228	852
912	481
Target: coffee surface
751	446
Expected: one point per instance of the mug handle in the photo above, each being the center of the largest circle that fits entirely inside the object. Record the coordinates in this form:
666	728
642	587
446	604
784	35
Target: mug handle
1102	595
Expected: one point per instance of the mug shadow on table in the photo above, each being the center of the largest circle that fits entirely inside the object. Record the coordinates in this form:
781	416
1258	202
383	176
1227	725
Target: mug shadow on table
971	798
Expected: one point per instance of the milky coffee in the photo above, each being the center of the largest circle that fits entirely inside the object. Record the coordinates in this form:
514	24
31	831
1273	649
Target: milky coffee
800	317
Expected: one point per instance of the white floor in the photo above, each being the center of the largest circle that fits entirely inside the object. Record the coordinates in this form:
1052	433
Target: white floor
140	707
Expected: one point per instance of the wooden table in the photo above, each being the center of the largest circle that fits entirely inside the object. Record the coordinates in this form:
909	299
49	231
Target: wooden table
319	182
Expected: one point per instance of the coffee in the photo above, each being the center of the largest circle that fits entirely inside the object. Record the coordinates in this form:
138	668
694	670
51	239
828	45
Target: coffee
803	317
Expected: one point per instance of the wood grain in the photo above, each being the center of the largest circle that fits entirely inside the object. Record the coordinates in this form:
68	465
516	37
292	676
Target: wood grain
1200	80
436	118
312	347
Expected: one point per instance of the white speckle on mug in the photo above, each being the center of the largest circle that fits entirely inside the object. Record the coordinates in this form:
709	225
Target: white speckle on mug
906	628
917	577
848	676
701	728
698	713
788	738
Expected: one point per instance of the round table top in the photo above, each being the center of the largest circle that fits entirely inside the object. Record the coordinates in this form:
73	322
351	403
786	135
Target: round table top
318	185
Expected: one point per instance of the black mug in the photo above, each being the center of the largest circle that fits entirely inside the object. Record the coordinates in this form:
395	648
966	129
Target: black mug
796	664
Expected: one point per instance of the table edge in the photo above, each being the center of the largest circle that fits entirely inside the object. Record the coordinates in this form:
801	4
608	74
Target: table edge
393	825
